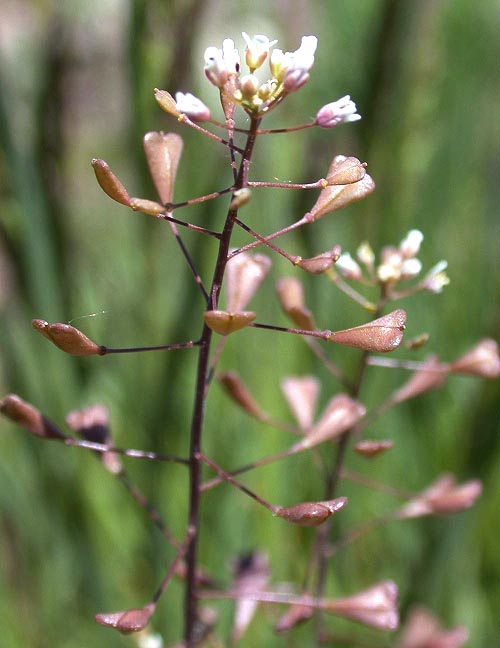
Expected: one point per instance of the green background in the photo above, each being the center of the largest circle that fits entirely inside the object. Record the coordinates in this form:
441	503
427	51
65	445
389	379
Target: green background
76	82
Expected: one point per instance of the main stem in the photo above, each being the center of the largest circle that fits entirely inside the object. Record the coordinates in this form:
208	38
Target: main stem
190	630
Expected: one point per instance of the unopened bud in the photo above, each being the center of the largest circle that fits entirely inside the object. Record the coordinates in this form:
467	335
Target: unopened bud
311	514
249	85
410	245
301	393
371	448
436	279
240	394
67	338
163	152
348	267
337	112
166	102
127	621
147	206
109	183
410	268
375	607
194	108
29	418
365	254
340	414
482	360
321	262
381	335
291	296
244	274
224	322
240	197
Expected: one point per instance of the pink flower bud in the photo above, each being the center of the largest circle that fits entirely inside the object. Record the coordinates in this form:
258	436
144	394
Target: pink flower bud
244	275
224	322
163	152
301	62
338	112
29	418
375	607
67	338
127	621
109	183
191	106
301	393
311	514
382	335
482	360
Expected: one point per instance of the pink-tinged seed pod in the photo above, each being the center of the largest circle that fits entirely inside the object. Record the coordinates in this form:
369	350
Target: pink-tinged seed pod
371	448
67	338
381	335
163	152
321	262
240	394
29	418
311	514
341	413
432	376
109	183
127	621
291	297
375	607
345	170
295	615
423	630
224	322
442	497
244	275
166	102
336	196
301	393
482	360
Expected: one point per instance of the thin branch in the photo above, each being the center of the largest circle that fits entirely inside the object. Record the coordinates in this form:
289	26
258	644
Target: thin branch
104	350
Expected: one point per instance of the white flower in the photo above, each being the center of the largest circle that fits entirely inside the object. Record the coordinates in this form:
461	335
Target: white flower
436	279
337	112
410	268
191	106
348	267
410	245
220	63
257	49
301	61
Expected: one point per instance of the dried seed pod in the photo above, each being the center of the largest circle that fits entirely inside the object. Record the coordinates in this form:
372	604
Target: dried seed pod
224	322
375	607
383	334
371	448
163	152
109	183
67	338
127	621
29	418
311	514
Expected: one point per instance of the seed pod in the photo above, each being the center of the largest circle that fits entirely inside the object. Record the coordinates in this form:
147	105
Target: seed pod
311	514
371	448
109	183
383	334
127	621
67	338
29	418
147	206
321	262
224	323
163	152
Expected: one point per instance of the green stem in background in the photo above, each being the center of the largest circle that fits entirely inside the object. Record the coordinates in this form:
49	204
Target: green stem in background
202	384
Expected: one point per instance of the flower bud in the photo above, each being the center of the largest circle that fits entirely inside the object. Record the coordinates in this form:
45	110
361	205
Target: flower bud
224	323
301	63
381	335
301	393
348	267
163	152
310	514
240	394
442	497
29	418
249	86
436	279
482	360
291	296
68	338
410	245
371	448
109	183
366	255
244	275
375	607
257	50
127	621
410	268
340	414
191	106
240	197
147	206
321	262
338	112
166	102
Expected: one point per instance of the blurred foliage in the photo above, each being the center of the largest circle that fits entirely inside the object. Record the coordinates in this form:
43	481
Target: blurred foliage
75	83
